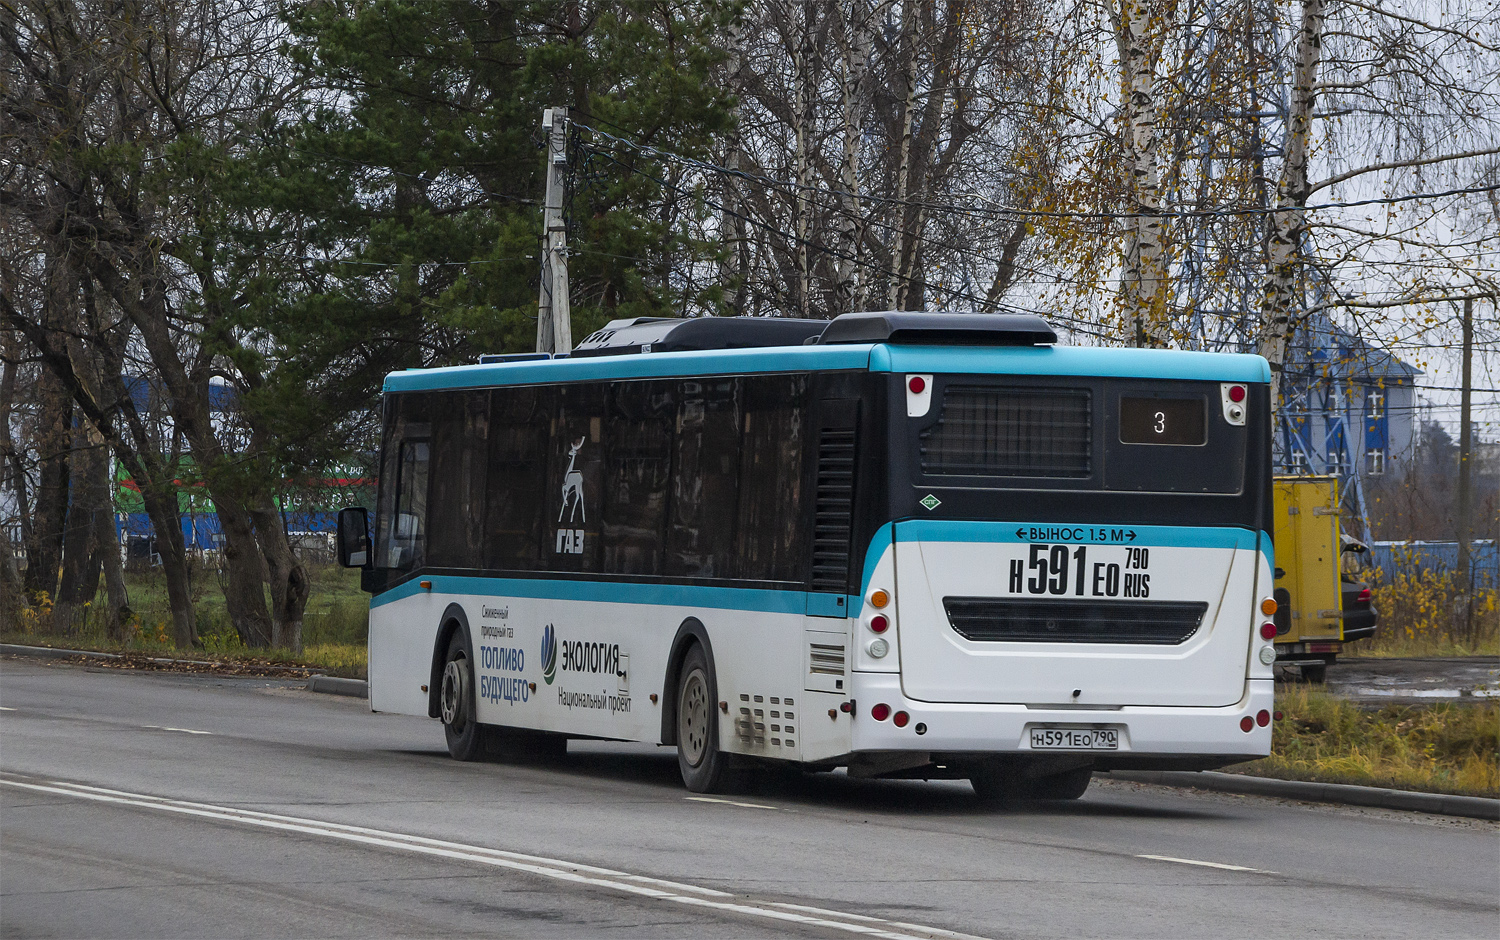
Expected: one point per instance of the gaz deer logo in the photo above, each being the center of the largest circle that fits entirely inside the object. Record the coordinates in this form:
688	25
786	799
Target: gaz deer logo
573	487
570	541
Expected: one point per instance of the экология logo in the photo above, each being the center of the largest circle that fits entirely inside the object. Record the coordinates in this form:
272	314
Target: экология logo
549	654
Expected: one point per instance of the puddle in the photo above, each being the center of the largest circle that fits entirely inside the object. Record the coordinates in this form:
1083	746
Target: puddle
1406	679
1419	693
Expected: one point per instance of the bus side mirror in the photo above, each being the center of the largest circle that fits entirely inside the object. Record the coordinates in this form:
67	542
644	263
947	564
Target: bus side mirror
354	538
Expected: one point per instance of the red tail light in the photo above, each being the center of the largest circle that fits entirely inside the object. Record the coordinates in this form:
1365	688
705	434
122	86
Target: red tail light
1363	596
879	624
901	719
881	712
1247	724
1236	393
917	384
1268	631
1262	717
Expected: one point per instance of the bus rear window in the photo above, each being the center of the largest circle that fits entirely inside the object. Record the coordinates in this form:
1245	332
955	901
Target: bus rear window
987	430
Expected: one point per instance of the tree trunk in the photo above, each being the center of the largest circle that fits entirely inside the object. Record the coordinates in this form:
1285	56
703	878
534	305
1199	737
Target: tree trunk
244	588
897	293
1143	279
802	63
108	548
81	562
290	585
1278	320
850	281
50	508
10	576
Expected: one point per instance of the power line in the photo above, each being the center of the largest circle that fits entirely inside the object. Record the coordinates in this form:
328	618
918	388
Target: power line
1077	325
649	150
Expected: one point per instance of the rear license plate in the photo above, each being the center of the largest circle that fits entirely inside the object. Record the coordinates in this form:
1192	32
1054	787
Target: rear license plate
1075	739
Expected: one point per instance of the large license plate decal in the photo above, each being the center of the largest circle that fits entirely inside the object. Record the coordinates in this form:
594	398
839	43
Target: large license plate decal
1075	739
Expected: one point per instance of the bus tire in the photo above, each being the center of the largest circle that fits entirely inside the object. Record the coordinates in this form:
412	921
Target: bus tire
698	755
1068	785
998	782
456	705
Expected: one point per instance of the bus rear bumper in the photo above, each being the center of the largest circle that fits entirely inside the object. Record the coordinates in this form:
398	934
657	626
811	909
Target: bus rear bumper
1146	736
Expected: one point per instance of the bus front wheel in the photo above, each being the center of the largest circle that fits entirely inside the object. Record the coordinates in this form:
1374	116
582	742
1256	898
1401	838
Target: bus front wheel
698	754
456	702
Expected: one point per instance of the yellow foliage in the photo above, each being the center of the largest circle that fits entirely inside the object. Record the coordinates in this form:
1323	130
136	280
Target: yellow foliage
1424	612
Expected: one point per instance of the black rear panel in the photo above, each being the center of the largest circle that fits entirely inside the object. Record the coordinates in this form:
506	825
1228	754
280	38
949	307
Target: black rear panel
992	619
1010	448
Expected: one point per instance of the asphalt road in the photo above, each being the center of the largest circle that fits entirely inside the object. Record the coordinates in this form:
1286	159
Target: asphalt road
136	804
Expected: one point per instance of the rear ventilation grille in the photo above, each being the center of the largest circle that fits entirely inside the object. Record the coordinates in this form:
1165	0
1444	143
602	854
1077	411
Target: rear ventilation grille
825	660
1009	431
988	619
835	506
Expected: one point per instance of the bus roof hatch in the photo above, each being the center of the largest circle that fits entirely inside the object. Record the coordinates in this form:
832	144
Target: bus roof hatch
658	335
941	329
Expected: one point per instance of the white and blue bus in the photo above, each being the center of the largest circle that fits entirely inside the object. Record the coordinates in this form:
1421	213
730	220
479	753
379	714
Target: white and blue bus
907	544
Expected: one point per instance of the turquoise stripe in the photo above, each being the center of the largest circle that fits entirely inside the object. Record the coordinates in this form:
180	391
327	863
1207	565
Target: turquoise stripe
974	360
616	592
945	530
796	602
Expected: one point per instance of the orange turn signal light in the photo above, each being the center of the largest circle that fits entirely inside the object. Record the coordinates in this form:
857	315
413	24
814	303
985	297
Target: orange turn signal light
879	599
1268	606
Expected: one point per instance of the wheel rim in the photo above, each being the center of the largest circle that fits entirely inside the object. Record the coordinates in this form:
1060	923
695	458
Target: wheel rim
692	718
455	681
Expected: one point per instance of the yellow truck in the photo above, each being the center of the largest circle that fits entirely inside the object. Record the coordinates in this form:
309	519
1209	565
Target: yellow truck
1317	608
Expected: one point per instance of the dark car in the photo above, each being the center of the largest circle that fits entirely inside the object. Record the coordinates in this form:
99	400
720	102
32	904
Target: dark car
1359	613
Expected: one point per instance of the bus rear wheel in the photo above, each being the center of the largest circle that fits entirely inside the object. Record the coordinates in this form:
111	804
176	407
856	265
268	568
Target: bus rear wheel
465	735
1068	785
998	782
698	755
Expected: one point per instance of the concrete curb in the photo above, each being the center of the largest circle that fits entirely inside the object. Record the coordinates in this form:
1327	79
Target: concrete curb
50	652
332	685
47	652
1474	807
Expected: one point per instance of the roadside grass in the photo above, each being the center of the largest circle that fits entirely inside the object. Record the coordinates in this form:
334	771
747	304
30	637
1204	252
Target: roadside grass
334	626
1445	747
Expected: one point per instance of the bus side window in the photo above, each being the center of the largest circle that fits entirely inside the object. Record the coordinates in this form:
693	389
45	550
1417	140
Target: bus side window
516	497
402	499
460	429
409	522
570	540
770	498
705	481
637	469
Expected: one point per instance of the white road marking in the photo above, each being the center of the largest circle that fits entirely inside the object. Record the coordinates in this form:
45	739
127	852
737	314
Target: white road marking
182	730
4	709
709	799
1194	861
557	869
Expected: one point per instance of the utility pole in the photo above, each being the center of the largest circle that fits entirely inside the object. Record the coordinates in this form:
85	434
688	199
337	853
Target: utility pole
554	319
1465	455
